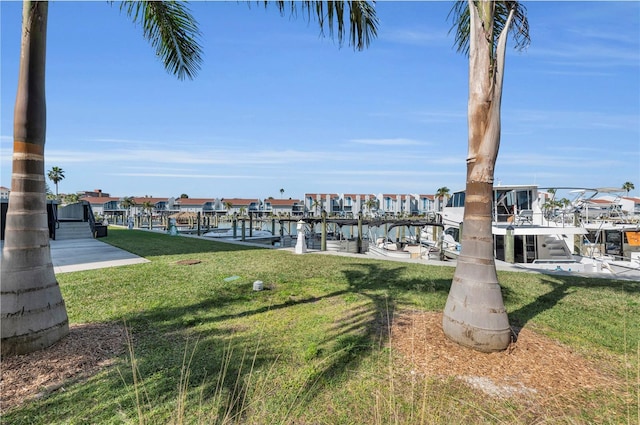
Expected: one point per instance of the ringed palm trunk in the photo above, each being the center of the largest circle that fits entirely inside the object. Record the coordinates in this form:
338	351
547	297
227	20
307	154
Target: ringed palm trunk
474	315
33	312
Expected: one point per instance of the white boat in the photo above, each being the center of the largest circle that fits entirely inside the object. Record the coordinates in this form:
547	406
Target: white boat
347	245
612	243
406	246
549	235
402	250
442	242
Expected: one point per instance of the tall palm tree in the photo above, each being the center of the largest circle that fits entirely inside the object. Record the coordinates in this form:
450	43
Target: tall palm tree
33	313
56	175
474	314
281	192
628	187
441	194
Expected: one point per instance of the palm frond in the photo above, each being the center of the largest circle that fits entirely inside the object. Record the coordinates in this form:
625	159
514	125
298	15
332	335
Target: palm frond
172	32
519	29
363	22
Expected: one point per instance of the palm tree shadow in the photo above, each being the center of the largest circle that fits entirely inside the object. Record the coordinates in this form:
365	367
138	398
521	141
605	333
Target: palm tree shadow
359	332
561	286
365	329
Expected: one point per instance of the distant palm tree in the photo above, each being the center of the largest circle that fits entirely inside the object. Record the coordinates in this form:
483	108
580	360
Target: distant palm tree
281	192
317	205
56	175
371	203
228	205
184	196
127	203
147	206
628	187
442	193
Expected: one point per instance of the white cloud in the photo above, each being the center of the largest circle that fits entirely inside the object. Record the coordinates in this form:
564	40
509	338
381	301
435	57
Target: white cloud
186	175
417	37
388	142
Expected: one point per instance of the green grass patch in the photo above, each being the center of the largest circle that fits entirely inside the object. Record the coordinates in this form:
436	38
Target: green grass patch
311	347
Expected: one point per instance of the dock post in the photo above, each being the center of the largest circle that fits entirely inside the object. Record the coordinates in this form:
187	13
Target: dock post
509	251
360	232
234	225
244	228
323	234
199	218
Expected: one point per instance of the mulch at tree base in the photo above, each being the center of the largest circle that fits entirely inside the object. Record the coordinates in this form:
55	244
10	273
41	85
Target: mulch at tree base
534	366
86	350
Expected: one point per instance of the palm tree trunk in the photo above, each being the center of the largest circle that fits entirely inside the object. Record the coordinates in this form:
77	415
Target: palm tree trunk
33	312
474	315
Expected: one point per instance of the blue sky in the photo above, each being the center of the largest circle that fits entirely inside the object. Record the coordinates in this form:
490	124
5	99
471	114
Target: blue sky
276	105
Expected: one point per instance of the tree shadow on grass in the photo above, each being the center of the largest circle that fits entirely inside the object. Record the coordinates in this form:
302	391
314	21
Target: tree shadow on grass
364	331
560	287
354	335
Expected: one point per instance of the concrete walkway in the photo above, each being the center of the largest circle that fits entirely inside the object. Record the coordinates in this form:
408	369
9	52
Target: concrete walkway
87	254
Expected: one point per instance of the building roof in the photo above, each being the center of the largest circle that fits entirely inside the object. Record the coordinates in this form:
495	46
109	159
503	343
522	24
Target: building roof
99	200
324	195
142	200
283	202
361	195
194	201
240	201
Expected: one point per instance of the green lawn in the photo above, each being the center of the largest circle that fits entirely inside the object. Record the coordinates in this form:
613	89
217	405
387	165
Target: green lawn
311	348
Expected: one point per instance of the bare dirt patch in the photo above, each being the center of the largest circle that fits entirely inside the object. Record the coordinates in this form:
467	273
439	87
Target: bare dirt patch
86	350
534	366
188	262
